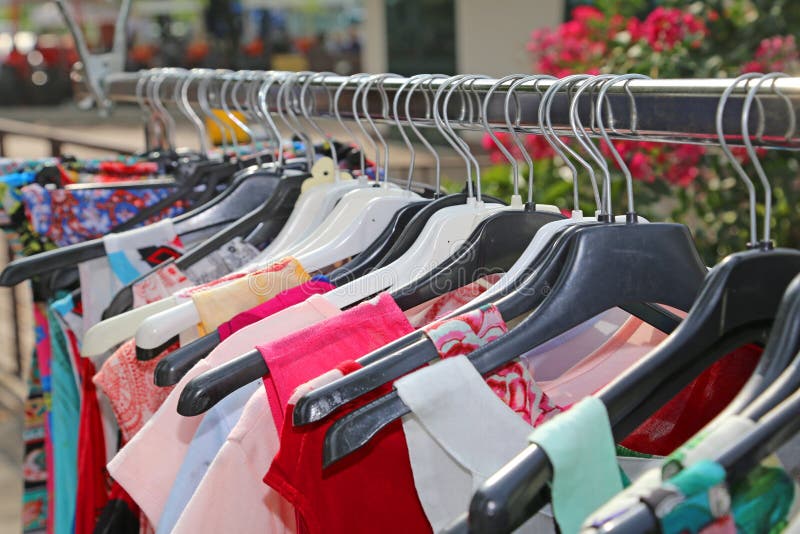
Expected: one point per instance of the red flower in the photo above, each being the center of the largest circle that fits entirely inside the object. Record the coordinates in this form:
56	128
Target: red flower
774	54
665	28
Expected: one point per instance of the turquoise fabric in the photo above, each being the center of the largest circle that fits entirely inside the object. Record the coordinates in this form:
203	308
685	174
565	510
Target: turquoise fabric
65	422
581	449
694	498
690	491
763	500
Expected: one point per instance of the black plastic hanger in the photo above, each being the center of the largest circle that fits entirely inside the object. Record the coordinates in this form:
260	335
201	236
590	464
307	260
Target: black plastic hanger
738	304
599	266
205	391
774	429
415	350
175	365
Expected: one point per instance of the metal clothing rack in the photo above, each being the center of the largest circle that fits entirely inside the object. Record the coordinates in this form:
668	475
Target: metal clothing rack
670	110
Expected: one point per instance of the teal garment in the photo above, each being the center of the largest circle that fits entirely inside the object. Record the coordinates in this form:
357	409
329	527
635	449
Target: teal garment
697	496
691	499
762	501
65	423
581	449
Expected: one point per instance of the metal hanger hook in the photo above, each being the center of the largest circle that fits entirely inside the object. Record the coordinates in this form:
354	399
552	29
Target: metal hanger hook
191	114
457	142
379	79
336	113
723	143
155	95
362	81
291	99
582	136
398	123
500	146
261	106
227	130
748	143
561	148
514	127
614	152
425	79
307	113
206	77
238	79
226	80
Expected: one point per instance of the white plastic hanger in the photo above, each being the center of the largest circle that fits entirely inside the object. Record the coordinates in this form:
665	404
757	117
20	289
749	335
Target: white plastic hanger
319	194
351	231
442	234
545	234
297	236
356	209
110	332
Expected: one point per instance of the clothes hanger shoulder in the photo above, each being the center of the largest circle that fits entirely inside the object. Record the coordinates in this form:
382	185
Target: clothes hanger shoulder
736	305
443	230
407	353
407	225
370	256
263	224
349	235
416	225
654	263
492	247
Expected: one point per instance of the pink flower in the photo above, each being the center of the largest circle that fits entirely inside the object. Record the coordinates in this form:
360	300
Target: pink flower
774	54
665	28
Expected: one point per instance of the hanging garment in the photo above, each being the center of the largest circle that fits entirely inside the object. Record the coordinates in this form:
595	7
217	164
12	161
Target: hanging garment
206	443
451	404
93	481
249	506
129	255
227	259
69	216
37	469
161	283
65	423
170	434
219	304
316	286
697	498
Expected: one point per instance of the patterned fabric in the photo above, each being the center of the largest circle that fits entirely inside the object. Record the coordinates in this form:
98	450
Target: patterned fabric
36	463
225	260
428	312
159	284
513	384
69	216
697	500
763	500
128	384
691	499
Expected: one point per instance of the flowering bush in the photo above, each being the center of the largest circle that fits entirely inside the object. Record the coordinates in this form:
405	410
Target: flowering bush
687	183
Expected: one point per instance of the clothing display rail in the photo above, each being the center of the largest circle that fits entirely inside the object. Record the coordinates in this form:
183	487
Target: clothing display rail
283	334
677	110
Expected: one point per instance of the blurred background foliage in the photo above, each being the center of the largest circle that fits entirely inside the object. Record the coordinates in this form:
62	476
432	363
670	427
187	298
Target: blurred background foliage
691	184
